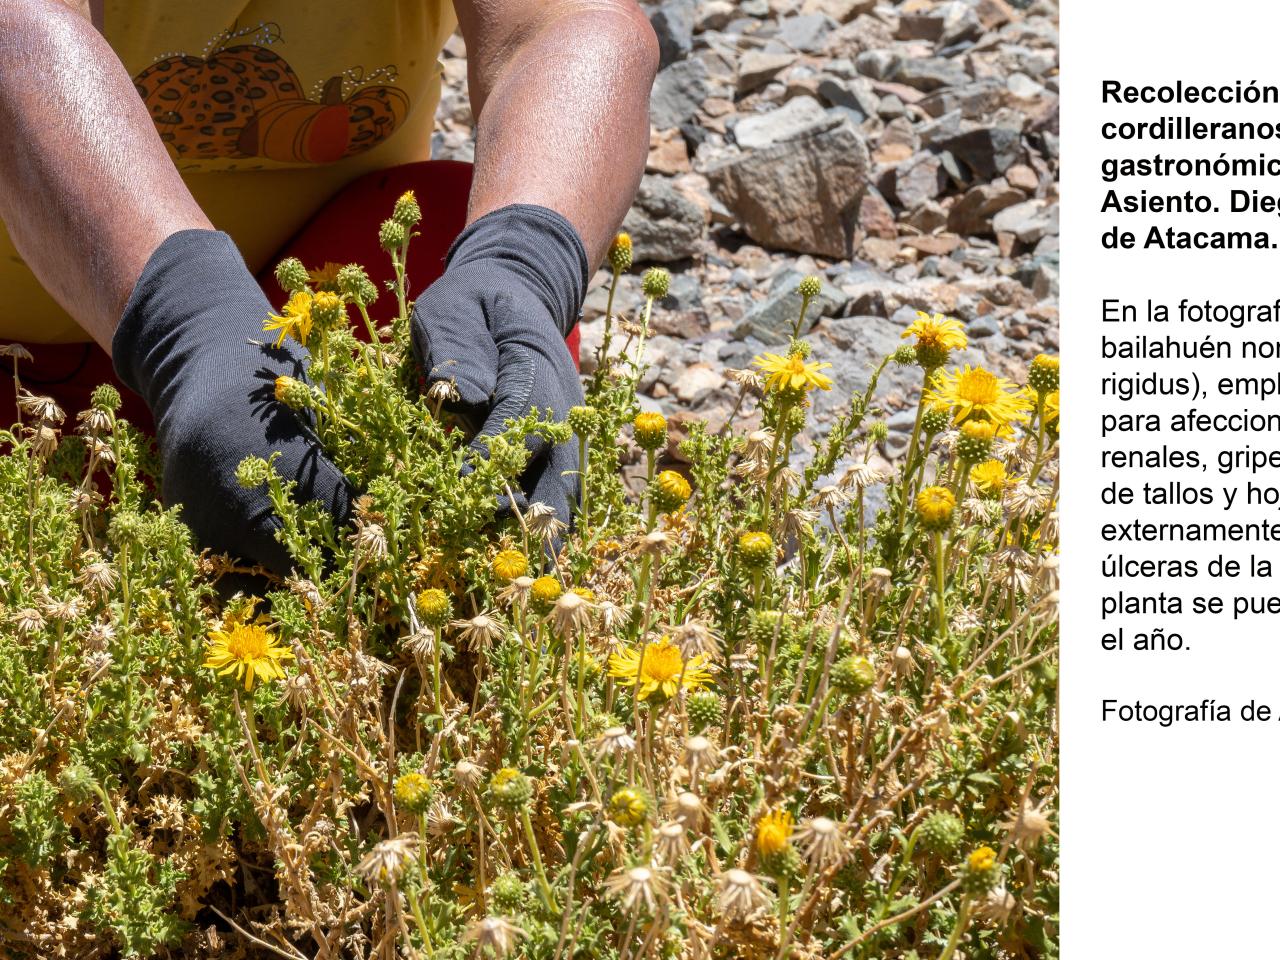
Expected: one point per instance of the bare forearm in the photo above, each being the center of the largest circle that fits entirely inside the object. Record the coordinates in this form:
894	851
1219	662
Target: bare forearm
87	190
563	112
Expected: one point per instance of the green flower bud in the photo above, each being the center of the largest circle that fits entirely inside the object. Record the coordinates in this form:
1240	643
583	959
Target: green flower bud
974	444
651	430
413	793
510	789
327	311
878	432
392	235
1043	375
980	872
656	283
704	709
756	550
629	807
126	528
509	893
905	355
810	287
941	833
291	275
583	420
620	254
930	356
293	393
853	675
355	285
434	607
935	420
407	212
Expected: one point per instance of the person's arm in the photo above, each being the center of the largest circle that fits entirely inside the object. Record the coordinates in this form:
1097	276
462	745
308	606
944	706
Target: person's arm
560	92
87	190
100	214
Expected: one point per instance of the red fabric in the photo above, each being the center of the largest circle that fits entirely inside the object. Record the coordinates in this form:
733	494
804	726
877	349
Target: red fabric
345	230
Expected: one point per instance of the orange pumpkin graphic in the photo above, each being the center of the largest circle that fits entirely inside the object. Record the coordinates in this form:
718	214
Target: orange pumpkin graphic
200	105
297	130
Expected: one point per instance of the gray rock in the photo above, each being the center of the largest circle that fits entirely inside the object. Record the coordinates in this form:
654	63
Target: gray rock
673	23
980	328
1028	221
664	224
841	11
677	93
798	117
806	32
756	68
713	15
929	74
986	151
754	8
891	107
801	195
918	180
972	213
735	353
877	64
852	94
773	319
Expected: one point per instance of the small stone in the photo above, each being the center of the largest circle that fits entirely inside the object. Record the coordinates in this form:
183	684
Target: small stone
1027	221
796	118
876	217
713	15
841	11
756	68
673	23
972	213
853	94
697	382
677	92
1021	177
665	225
982	327
929	74
986	151
667	153
919	180
805	32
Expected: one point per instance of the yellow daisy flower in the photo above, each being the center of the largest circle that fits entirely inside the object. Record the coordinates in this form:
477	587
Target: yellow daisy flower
326	277
990	477
937	331
295	320
248	650
792	373
658	667
773	833
975	392
509	564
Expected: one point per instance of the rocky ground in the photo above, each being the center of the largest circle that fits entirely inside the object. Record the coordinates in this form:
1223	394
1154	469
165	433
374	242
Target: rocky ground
905	152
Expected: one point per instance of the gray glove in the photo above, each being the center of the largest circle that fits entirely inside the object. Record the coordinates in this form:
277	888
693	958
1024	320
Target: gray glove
183	345
495	324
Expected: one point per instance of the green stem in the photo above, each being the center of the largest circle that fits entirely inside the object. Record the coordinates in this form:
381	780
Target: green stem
545	887
962	921
940	582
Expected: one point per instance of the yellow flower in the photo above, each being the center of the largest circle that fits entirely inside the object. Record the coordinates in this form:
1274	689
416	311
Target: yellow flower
979	429
629	807
935	506
248	650
658	667
434	607
295	320
937	331
586	593
546	589
792	373
982	859
1051	409
620	254
671	491
756	548
326	277
990	477
773	833
651	430
509	564
975	392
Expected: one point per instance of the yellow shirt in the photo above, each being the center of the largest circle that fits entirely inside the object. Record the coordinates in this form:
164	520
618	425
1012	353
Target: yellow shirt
267	107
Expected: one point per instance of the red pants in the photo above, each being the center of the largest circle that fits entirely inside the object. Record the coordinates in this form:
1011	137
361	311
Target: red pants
344	231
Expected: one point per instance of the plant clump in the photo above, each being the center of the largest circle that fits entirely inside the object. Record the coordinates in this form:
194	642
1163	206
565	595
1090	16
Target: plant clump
732	711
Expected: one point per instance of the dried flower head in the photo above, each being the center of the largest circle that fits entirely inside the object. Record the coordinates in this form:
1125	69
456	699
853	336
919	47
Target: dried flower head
740	895
637	887
388	860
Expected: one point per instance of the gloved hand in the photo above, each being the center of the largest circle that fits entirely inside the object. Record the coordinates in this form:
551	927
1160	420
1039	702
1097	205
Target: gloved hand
183	345
495	324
